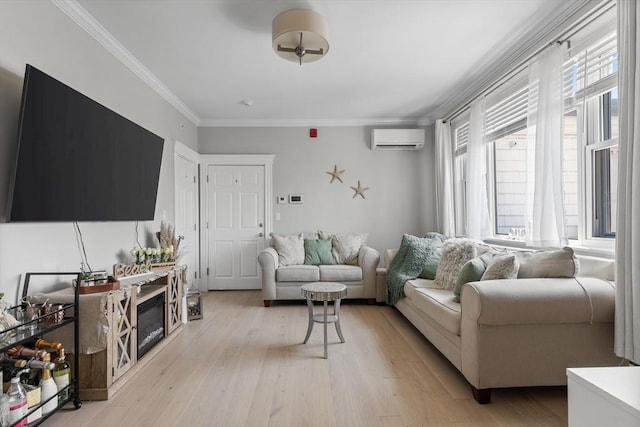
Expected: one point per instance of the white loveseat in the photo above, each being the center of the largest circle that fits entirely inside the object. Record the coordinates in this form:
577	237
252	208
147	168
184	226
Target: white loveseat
283	280
519	331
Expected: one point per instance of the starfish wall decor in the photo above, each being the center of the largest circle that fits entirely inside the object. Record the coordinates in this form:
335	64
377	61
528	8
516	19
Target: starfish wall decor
336	174
359	190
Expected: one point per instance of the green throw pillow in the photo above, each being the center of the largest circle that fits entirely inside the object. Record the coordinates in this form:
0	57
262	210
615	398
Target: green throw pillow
318	252
431	265
436	240
471	271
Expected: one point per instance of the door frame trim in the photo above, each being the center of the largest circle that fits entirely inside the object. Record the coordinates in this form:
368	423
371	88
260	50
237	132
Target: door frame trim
206	160
187	153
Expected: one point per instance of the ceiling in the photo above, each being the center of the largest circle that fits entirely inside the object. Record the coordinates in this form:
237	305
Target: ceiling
390	61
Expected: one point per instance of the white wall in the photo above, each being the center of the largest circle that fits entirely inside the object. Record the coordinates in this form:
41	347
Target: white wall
401	195
37	32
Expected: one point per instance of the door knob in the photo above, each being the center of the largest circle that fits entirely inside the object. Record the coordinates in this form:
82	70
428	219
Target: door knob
261	234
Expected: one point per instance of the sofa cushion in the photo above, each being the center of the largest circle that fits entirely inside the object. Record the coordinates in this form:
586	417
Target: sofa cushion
471	271
439	305
298	273
340	273
455	253
345	246
290	248
502	267
555	263
317	251
411	285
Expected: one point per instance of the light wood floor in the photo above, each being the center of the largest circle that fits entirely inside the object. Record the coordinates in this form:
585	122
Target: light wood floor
245	365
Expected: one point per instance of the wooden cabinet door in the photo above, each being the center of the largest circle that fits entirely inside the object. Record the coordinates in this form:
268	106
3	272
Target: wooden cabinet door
174	300
124	336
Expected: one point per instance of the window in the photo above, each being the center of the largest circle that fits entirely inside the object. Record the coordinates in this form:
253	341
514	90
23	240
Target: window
591	88
460	185
506	127
510	177
570	177
510	166
590	150
605	186
603	154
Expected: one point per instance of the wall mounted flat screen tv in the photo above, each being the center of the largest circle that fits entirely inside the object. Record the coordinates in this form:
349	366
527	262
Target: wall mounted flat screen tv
78	160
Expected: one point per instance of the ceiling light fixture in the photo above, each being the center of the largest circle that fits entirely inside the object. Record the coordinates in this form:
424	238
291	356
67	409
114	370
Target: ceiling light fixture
300	35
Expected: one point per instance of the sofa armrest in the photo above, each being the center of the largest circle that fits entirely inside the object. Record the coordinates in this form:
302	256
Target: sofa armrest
389	255
539	301
268	259
368	260
526	332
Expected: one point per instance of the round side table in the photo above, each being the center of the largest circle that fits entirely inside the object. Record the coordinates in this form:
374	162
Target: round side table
325	292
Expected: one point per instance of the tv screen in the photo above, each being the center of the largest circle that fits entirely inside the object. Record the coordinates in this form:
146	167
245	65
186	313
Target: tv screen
78	160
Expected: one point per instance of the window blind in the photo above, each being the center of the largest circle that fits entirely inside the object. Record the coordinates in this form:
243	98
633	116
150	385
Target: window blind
507	116
592	71
462	138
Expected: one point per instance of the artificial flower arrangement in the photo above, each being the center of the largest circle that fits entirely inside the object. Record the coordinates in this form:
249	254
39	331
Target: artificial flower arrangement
153	255
168	251
166	254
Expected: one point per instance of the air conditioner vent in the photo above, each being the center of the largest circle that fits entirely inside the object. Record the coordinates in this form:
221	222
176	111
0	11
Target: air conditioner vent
397	139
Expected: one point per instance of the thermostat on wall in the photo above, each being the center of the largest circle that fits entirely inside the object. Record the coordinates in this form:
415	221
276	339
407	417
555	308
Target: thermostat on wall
295	198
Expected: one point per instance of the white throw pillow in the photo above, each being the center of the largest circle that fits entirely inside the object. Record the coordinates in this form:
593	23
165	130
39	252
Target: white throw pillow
290	248
345	246
502	267
550	263
455	253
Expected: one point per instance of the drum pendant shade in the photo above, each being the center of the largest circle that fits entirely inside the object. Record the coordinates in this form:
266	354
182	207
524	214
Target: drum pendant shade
300	35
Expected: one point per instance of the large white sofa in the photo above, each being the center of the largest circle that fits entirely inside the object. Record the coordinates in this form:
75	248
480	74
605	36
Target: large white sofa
283	282
517	332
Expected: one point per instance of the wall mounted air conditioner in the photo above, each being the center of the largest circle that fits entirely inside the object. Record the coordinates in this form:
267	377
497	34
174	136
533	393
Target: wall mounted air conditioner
397	139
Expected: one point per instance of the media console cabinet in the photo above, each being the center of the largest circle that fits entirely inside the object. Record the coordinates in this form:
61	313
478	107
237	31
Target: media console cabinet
109	329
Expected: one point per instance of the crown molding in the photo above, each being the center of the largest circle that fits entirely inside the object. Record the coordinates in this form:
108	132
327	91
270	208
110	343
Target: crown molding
88	23
311	122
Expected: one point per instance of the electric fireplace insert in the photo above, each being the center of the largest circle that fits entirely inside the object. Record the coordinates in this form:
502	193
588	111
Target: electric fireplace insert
151	318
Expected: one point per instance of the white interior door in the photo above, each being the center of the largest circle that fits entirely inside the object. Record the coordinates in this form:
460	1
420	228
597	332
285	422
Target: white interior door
186	215
235	214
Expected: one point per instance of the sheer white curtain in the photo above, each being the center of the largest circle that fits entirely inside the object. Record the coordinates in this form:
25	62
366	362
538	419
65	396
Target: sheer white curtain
545	213
627	325
478	217
445	214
